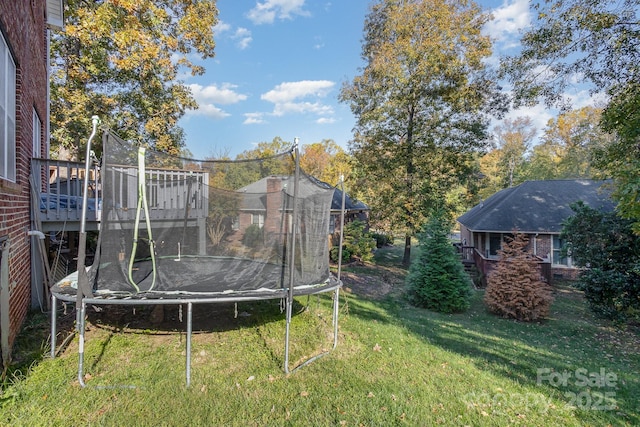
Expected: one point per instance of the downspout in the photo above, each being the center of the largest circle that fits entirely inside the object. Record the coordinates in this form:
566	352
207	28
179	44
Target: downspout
5	320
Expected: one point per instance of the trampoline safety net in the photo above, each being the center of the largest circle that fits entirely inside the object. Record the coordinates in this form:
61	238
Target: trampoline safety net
173	227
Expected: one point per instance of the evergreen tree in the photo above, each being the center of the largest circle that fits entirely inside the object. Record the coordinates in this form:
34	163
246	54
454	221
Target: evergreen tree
515	288
437	279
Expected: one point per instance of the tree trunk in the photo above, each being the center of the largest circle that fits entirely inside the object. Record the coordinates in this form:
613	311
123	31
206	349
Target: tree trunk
406	259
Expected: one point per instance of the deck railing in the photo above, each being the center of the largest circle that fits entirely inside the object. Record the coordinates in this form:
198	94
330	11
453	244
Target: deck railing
485	265
59	185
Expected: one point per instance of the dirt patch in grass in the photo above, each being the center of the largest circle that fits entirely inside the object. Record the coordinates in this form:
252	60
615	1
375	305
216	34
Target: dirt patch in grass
373	281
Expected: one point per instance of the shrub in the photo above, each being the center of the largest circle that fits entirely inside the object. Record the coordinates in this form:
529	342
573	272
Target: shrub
611	294
607	247
515	288
346	254
382	239
357	243
253	236
437	279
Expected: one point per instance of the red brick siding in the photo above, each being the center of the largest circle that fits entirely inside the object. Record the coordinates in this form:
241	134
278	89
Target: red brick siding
23	27
543	245
273	215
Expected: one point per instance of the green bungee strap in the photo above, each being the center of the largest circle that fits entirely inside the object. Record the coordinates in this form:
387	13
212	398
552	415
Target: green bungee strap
142	204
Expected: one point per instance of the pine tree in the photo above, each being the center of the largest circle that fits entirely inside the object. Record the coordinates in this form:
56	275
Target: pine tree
437	279
515	288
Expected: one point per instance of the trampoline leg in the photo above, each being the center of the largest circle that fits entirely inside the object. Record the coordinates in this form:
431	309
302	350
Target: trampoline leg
81	327
189	329
54	320
289	308
336	299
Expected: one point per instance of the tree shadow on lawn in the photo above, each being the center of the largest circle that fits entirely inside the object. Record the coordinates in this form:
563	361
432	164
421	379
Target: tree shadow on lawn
561	356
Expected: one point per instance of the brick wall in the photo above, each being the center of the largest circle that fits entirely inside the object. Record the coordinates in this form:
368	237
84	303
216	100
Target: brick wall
22	23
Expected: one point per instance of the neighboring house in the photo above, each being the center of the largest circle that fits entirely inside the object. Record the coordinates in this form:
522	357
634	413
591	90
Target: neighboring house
24	82
354	210
535	208
255	209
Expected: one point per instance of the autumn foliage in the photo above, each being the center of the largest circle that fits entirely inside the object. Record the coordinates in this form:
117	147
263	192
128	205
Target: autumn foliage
515	288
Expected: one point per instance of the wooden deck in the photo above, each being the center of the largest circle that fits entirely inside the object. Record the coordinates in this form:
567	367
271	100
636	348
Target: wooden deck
477	264
59	185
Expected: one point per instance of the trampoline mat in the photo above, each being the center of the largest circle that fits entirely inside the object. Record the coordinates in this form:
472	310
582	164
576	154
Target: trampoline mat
198	276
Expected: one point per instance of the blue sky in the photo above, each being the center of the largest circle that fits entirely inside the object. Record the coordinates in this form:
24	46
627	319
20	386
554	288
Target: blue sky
279	66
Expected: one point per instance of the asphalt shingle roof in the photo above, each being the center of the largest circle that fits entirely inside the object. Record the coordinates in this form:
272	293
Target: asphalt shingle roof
255	199
536	206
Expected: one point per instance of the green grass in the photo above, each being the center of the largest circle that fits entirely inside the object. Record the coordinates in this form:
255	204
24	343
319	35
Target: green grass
394	365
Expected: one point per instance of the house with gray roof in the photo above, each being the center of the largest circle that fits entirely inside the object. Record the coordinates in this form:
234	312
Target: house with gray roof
535	208
260	199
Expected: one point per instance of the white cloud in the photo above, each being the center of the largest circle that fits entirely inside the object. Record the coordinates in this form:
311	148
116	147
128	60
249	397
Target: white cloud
538	114
221	27
302	97
325	120
508	21
208	97
242	36
583	98
208	110
225	94
289	91
270	10
283	108
253	118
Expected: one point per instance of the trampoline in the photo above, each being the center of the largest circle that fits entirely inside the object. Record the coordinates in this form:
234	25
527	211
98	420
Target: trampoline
182	231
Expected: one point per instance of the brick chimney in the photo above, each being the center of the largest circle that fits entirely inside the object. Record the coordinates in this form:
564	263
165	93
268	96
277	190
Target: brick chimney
274	212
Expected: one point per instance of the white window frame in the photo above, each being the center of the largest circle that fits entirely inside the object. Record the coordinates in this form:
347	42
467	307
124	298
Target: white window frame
37	135
235	223
257	219
555	252
7	113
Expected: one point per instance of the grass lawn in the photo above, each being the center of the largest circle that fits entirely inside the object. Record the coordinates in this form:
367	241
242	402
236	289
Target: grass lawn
394	365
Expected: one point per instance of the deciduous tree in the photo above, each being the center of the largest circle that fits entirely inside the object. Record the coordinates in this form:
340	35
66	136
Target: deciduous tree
120	60
569	146
594	42
504	165
420	104
326	160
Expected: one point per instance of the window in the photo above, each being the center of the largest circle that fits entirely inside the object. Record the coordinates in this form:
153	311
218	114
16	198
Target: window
557	257
7	113
257	219
37	135
495	243
235	223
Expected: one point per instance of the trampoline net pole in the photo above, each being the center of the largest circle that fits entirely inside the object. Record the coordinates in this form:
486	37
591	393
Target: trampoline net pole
336	299
81	328
189	329
54	323
292	253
